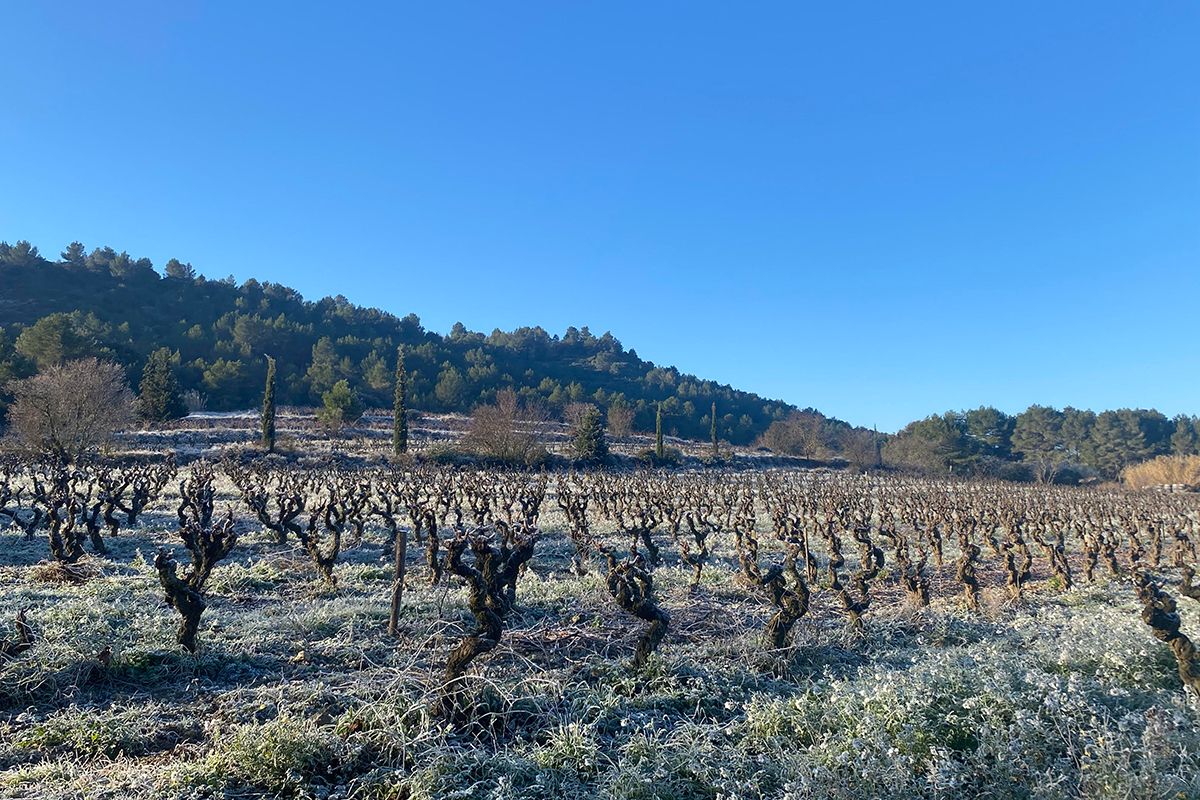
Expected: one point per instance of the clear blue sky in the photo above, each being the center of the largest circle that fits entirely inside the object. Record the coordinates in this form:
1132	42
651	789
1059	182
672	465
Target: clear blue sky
880	210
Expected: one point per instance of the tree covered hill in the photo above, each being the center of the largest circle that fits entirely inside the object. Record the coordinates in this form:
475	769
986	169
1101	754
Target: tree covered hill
113	306
109	304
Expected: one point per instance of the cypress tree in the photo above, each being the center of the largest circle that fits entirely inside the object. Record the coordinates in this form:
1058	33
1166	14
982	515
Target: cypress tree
400	406
158	393
716	447
268	410
658	437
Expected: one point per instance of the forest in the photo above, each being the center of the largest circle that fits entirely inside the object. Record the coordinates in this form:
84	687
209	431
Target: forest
114	306
216	334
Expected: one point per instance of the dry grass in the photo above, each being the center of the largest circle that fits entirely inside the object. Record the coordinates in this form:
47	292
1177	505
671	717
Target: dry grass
1163	471
298	692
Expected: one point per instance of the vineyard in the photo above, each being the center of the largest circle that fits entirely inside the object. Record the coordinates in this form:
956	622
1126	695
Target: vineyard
246	628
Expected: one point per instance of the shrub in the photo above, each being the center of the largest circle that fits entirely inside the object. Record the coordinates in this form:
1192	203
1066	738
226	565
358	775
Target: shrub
671	456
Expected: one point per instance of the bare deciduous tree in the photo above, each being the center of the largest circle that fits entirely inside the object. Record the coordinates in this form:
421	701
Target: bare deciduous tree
800	434
574	412
620	420
509	430
68	410
861	450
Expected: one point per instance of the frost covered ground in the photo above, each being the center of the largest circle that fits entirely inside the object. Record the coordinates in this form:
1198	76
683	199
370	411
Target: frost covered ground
297	692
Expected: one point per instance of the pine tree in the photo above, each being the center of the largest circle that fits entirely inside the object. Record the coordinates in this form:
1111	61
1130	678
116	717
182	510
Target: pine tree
590	442
75	254
342	406
1183	440
1038	437
159	398
268	410
659	453
1117	443
400	406
716	445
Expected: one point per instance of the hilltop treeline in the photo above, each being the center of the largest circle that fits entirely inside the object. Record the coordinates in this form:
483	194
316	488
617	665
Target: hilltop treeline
109	304
1041	443
112	305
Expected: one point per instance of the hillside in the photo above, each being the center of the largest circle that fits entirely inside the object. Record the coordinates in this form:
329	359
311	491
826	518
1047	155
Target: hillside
109	303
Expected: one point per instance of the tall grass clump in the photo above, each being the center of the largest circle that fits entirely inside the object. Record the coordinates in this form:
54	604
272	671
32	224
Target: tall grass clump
1164	470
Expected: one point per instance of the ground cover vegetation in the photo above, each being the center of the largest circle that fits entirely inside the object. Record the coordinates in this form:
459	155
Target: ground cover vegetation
411	630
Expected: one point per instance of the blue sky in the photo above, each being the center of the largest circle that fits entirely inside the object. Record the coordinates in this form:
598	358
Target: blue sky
880	210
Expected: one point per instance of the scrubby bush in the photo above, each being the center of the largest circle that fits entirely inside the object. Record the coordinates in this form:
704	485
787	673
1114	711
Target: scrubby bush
670	456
